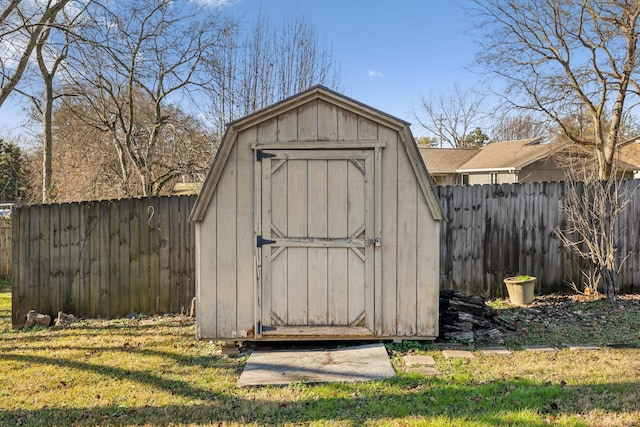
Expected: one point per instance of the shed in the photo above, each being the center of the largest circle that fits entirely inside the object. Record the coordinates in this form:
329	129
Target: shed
317	220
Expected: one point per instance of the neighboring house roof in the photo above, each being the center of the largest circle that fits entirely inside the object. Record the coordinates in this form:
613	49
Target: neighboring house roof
630	154
510	156
446	160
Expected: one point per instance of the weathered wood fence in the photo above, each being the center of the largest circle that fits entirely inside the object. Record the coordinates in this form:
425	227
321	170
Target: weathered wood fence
5	249
103	259
111	258
495	231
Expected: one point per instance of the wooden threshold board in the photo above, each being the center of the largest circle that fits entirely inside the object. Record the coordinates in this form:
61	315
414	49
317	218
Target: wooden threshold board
327	331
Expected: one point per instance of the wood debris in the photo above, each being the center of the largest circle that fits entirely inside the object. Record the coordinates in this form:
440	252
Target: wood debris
467	318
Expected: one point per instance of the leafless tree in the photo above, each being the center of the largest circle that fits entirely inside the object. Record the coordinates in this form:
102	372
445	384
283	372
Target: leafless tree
267	63
85	167
137	61
557	55
23	25
451	117
51	51
592	207
515	127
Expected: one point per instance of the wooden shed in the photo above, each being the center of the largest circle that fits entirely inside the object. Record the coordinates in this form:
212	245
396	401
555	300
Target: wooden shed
317	220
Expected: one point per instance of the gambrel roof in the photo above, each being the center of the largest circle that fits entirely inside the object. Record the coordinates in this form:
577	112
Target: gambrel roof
309	95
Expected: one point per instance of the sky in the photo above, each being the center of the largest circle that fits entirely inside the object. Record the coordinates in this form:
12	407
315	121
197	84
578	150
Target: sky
390	53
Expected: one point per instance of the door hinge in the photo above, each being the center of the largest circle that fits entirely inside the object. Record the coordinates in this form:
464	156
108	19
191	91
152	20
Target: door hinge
262	155
261	242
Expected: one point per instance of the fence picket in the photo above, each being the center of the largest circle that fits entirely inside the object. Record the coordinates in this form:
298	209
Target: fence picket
108	259
5	249
102	259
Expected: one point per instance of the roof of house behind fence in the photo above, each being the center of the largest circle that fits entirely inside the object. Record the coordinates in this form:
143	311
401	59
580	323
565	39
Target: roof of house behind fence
510	155
446	160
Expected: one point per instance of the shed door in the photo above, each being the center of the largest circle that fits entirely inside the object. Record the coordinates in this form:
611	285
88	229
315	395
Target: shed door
317	241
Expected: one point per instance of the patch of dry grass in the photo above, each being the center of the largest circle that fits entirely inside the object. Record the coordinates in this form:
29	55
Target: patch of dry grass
154	372
561	320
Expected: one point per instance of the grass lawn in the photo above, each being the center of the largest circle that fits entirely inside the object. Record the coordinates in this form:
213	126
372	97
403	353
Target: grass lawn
154	372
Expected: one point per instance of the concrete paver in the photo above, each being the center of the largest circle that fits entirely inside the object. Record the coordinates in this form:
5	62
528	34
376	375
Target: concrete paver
423	370
495	350
350	364
582	347
457	354
415	359
539	349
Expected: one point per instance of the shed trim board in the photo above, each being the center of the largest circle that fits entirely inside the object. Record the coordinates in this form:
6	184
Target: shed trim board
309	233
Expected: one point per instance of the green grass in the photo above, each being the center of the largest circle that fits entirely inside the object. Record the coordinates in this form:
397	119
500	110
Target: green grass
154	372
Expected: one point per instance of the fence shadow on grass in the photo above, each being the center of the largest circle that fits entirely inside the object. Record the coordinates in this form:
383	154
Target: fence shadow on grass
418	400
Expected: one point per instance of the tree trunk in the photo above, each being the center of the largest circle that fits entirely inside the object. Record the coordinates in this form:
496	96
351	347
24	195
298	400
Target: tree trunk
10	82
47	118
122	163
609	284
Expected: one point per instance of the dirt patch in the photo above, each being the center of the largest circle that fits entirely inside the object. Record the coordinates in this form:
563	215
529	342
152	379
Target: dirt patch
561	320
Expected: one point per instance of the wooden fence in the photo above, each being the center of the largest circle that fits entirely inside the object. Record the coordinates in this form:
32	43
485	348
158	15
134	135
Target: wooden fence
495	231
107	259
5	249
103	259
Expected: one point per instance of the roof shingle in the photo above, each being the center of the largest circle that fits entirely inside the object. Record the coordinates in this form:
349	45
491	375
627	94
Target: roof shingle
446	160
511	155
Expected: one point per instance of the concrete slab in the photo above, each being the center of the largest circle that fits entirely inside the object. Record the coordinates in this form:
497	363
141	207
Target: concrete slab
350	364
457	354
423	370
582	347
415	359
539	349
495	350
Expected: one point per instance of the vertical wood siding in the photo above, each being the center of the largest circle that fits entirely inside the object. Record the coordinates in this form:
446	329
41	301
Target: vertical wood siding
226	270
495	231
5	249
103	259
107	259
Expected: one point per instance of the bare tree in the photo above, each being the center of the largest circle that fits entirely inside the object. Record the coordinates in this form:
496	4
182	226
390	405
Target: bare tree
51	52
22	26
137	60
559	55
592	207
451	117
183	149
512	128
266	64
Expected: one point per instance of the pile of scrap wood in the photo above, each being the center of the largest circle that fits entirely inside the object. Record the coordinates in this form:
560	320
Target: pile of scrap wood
468	318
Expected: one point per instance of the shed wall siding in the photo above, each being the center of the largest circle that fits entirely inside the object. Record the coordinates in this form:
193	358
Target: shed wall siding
226	253
206	266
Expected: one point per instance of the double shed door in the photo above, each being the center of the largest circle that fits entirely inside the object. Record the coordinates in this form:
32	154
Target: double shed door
316	240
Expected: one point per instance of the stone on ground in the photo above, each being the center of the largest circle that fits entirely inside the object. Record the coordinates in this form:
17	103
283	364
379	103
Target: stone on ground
457	354
415	359
539	349
495	350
